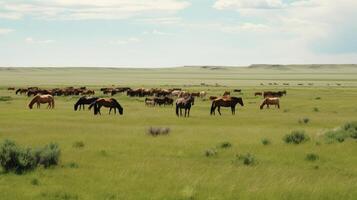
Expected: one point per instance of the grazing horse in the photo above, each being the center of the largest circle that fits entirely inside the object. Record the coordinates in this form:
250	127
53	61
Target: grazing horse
109	103
270	101
84	101
38	99
226	102
186	103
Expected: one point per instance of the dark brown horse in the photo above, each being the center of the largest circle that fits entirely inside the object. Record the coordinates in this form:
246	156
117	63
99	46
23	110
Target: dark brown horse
184	103
258	94
226	102
108	103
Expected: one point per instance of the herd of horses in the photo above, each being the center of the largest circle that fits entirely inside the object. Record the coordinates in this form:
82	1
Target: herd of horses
184	101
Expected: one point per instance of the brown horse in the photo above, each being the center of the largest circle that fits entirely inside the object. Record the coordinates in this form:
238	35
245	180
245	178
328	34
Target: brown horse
185	103
226	102
270	101
38	99
258	94
108	103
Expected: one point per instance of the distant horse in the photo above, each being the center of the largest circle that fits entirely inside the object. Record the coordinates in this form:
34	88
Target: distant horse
84	101
274	94
38	99
108	103
21	91
184	103
270	101
226	102
258	94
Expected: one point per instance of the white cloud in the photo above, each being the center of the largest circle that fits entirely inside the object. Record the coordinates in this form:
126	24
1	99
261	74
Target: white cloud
87	9
6	30
129	40
30	40
162	20
248	4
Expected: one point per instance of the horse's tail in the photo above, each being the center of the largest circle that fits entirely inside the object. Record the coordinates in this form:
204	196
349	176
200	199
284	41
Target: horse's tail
120	108
177	110
33	101
213	106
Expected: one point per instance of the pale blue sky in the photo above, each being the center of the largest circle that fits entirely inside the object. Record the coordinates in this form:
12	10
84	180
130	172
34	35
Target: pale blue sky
165	33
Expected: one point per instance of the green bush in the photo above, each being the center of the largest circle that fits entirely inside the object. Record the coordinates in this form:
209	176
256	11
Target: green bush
296	137
316	109
304	120
266	141
18	159
34	181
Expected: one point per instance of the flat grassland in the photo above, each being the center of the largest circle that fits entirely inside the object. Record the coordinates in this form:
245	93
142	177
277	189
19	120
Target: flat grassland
120	161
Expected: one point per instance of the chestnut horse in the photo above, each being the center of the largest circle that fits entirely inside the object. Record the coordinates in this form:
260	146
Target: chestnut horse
38	99
226	102
270	101
109	103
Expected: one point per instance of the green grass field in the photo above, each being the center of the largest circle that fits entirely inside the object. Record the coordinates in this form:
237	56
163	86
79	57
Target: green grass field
120	161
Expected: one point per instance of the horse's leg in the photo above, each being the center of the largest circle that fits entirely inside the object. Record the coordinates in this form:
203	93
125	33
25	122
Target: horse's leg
232	109
115	111
185	112
110	110
189	112
180	111
278	105
219	110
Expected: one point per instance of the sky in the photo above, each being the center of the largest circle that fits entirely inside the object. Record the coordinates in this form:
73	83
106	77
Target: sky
168	33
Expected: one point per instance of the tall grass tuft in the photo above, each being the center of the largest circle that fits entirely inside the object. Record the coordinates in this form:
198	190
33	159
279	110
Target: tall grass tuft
312	157
245	159
266	141
348	130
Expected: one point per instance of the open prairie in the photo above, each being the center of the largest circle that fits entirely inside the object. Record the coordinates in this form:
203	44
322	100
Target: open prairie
117	159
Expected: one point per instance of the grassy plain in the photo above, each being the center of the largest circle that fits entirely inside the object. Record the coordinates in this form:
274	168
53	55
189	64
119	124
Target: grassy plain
120	161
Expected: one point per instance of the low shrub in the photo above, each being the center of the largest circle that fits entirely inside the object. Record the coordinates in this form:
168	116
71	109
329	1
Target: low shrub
210	152
158	131
266	141
312	157
34	181
245	159
296	137
78	144
225	145
18	159
316	109
348	130
317	98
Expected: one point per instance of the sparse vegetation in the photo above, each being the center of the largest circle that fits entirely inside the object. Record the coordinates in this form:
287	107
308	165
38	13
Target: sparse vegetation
78	144
225	145
316	109
312	157
304	120
245	159
5	98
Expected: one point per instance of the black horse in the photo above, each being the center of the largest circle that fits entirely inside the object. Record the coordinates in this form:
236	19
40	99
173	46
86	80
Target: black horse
84	101
109	103
186	103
